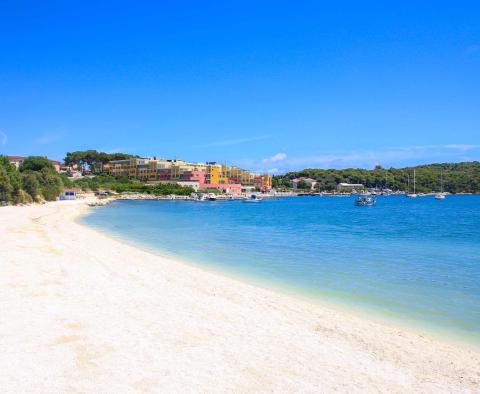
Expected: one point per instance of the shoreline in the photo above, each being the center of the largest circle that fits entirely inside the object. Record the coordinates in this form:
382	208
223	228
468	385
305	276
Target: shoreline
371	314
105	315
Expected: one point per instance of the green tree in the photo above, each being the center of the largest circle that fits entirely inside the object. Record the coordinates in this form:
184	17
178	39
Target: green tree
31	185
88	158
303	185
36	163
50	184
6	188
9	181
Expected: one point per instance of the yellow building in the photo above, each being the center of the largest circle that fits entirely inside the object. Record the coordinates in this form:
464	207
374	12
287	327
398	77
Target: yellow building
122	167
213	173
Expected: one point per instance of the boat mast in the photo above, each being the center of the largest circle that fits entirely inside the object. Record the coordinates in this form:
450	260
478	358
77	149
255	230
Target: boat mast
414	181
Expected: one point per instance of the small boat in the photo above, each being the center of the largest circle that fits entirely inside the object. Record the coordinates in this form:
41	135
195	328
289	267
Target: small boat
365	201
198	197
212	197
253	198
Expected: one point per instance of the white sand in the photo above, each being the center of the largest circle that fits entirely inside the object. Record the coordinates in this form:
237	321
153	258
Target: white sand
84	313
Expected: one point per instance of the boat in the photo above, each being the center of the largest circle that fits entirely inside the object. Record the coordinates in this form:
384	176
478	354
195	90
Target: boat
253	198
198	197
441	195
414	194
212	197
365	201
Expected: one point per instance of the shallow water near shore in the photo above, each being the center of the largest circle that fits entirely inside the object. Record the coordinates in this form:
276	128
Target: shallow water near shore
416	261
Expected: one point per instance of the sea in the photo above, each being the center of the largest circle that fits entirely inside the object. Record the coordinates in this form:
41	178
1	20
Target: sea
414	262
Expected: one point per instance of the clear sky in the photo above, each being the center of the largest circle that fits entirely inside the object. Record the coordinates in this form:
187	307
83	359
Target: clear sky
270	85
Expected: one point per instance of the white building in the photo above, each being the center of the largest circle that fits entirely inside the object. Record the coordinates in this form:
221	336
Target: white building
348	187
69	194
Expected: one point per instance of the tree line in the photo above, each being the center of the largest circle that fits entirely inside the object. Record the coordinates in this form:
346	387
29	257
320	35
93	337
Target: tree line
88	158
35	180
456	178
122	184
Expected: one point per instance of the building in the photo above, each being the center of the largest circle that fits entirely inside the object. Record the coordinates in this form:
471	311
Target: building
228	179
56	164
349	187
263	182
16	160
230	188
69	194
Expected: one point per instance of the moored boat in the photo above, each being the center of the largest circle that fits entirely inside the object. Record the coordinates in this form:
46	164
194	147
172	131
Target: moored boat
198	197
414	194
365	201
441	195
253	198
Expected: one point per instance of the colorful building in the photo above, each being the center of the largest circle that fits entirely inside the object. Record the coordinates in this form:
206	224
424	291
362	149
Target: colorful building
263	182
228	179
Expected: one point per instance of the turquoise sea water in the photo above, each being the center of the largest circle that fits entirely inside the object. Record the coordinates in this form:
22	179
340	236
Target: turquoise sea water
411	260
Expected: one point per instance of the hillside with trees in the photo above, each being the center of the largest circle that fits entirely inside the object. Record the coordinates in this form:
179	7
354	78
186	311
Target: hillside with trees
457	178
36	180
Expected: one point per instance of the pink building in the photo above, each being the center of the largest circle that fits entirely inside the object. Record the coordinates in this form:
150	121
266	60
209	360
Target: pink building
198	176
231	188
163	175
263	182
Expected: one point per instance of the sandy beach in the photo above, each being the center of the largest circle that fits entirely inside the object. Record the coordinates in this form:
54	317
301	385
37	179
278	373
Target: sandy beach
85	313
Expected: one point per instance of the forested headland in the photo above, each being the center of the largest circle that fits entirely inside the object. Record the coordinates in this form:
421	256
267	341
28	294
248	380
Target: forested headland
456	178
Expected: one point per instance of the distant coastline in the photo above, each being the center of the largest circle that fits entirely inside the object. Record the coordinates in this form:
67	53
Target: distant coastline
30	179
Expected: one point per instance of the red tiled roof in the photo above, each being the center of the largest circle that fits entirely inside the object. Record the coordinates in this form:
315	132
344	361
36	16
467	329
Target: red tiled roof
21	158
16	158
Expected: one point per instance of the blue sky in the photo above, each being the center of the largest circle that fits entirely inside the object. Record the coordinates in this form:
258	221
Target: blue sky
269	85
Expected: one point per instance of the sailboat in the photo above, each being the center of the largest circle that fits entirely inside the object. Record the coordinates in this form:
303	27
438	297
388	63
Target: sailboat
414	194
441	195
